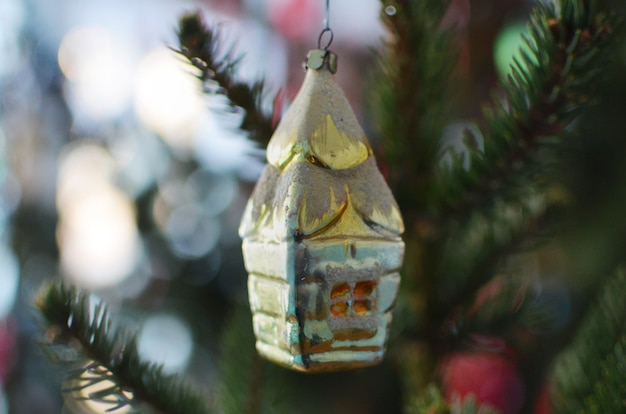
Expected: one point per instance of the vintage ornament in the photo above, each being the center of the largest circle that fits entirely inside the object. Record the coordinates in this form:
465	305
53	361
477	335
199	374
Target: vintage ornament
321	236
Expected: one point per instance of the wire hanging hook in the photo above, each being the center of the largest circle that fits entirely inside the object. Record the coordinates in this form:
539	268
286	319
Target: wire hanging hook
326	29
327	20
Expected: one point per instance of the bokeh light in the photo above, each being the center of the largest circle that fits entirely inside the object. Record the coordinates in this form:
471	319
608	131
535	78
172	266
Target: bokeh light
191	234
295	19
220	148
141	159
77	399
97	233
168	99
9	280
11	20
166	340
507	46
186	211
10	189
100	72
81	167
358	25
213	192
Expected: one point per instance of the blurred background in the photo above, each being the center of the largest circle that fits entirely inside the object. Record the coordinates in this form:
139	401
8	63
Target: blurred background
119	175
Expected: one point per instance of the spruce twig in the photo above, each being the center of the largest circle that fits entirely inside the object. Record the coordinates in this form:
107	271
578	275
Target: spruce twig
412	97
525	132
588	375
524	126
201	45
429	401
412	104
82	336
485	238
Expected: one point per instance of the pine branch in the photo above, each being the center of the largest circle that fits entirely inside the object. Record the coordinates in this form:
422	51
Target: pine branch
524	126
589	375
82	336
512	308
488	209
484	238
201	45
470	406
429	401
411	99
609	391
411	102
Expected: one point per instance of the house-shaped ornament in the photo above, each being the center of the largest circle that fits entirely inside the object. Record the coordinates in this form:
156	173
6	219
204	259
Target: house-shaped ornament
321	236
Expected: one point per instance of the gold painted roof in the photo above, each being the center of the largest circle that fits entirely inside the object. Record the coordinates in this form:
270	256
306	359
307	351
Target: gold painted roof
322	179
319	127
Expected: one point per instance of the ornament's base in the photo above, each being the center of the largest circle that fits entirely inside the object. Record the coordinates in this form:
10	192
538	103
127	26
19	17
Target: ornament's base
330	361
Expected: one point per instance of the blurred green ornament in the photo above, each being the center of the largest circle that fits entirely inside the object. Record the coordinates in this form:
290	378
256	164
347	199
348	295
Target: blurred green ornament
510	44
321	236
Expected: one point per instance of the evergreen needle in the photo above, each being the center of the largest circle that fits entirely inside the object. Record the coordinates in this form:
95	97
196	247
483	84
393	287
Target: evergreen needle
108	356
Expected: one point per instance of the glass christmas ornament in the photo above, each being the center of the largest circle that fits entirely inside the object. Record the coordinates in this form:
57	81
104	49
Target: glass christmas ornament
321	236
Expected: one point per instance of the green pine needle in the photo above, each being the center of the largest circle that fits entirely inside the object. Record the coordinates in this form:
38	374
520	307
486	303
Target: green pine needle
470	406
429	401
413	96
411	102
589	376
481	241
81	335
201	45
488	210
525	124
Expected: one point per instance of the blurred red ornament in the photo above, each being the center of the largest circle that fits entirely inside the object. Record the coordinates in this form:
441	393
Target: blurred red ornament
296	19
490	375
8	339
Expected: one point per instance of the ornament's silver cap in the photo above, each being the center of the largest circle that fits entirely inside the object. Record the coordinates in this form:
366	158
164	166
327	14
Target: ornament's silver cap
321	58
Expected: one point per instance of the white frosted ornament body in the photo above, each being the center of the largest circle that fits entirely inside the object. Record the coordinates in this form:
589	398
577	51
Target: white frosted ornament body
321	237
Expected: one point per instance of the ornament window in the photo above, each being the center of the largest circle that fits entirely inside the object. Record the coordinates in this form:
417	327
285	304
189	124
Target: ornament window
356	299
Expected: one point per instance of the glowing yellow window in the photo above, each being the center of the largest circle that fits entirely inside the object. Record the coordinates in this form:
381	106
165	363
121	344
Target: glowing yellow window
353	300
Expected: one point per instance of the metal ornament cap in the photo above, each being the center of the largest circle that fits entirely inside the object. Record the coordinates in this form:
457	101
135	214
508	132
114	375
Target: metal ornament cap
321	236
318	58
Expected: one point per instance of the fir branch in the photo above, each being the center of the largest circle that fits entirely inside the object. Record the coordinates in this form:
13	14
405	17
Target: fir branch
510	307
469	406
544	94
432	402
411	103
589	375
429	401
479	240
411	100
609	391
82	335
201	45
484	238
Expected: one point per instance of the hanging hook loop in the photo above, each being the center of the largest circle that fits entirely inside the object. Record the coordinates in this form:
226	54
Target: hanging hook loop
330	39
